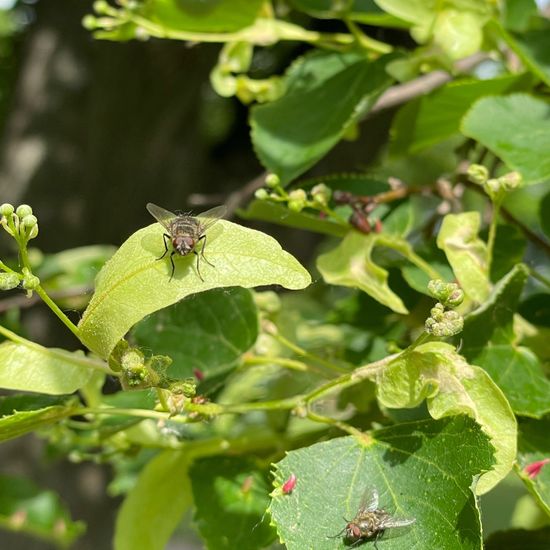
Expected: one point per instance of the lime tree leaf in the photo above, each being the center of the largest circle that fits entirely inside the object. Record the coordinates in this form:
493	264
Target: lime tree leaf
27	366
489	341
398	462
534	446
466	253
209	16
519	539
26	508
21	414
155	505
208	331
326	93
364	11
350	264
517	13
237	491
276	213
437	116
508	250
134	283
517	129
435	372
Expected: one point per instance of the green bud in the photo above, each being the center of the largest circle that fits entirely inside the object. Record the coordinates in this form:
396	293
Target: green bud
187	387
101	6
321	194
261	194
267	301
272	181
30	282
6	209
444	323
449	294
29	221
492	187
23	210
478	174
89	22
511	181
8	281
297	200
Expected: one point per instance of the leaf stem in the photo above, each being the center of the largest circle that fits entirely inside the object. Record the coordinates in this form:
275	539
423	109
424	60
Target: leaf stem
344	426
293	364
366	41
56	309
492	236
541	278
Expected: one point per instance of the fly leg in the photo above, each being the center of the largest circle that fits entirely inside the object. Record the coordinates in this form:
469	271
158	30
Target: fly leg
172	263
203	237
198	270
164	237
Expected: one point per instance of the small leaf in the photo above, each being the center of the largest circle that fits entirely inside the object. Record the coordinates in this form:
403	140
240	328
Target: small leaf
237	491
517	129
466	253
154	507
208	331
26	508
27	366
134	283
533	446
350	264
435	372
436	116
21	414
326	93
398	463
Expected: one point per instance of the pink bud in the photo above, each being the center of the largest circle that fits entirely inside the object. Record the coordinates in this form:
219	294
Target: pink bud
289	484
533	469
198	375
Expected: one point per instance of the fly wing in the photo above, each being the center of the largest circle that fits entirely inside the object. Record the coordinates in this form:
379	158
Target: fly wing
210	217
163	216
369	500
390	522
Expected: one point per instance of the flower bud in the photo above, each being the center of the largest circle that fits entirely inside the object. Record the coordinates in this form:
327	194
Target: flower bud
23	210
30	282
511	181
261	194
8	281
321	194
449	294
6	209
272	180
187	387
297	200
29	221
443	323
477	173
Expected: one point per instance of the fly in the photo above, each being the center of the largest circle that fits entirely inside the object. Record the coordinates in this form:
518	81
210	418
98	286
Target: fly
370	522
184	231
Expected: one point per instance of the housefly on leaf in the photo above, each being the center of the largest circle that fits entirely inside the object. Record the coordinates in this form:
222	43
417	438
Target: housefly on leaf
185	232
370	522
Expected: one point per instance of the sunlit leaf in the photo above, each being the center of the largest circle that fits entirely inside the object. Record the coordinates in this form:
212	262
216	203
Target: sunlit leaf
134	283
332	477
435	372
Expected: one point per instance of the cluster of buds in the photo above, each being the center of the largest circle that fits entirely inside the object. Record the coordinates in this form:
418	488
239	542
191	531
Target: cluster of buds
496	188
444	322
296	200
362	207
22	225
180	393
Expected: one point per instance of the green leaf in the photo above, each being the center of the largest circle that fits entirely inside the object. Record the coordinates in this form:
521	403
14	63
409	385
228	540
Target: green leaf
134	283
517	129
332	477
209	16
437	373
489	341
466	253
534	445
326	93
364	11
26	508
237	491
544	214
154	507
272	212
27	366
508	250
350	264
437	116
517	13
519	539
208	332
21	414
536	309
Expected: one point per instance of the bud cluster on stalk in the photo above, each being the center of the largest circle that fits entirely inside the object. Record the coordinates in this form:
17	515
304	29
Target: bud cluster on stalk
443	320
496	188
